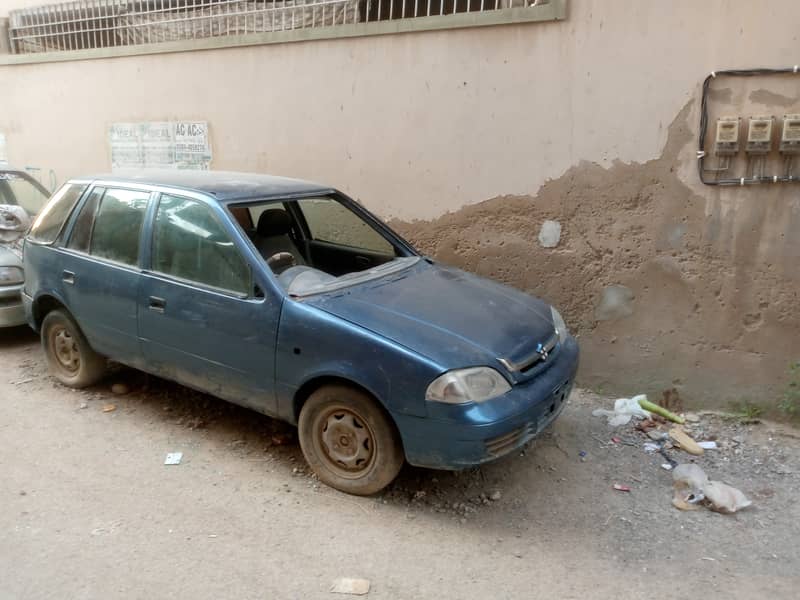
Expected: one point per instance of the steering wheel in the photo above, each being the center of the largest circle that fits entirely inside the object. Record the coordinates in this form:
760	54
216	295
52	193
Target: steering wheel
281	261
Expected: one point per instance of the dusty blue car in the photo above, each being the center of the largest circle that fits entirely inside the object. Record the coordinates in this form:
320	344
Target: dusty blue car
289	298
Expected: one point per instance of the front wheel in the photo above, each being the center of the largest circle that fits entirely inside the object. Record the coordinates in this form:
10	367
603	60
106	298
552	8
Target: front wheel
70	359
349	440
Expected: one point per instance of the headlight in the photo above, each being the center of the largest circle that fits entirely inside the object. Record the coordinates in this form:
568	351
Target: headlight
467	385
11	276
559	324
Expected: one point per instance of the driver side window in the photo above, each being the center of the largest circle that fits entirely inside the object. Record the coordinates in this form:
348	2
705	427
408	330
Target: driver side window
190	243
330	221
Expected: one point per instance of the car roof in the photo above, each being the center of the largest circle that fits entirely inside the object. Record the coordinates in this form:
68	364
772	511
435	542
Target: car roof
225	186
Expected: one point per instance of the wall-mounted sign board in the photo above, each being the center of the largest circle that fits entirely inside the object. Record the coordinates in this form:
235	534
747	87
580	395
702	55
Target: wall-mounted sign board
160	145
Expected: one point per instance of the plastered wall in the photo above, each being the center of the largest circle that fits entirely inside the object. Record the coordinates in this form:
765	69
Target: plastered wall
470	139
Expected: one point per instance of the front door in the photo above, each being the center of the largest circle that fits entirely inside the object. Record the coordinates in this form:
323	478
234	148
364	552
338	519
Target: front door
200	321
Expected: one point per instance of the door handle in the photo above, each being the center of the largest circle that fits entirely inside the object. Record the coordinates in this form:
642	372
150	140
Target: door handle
156	304
68	277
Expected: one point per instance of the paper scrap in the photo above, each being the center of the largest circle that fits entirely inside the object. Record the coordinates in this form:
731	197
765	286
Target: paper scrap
173	458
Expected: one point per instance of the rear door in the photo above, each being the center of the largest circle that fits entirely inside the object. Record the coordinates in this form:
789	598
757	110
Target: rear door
100	270
201	319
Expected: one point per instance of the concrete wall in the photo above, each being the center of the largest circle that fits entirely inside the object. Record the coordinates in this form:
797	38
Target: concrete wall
470	139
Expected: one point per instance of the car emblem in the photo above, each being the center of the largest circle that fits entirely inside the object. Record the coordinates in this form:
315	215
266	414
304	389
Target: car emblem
542	352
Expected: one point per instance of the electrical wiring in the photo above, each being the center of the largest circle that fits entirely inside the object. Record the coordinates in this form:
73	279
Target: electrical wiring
701	154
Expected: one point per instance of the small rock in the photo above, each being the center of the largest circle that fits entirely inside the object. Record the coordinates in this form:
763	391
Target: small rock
120	389
83	405
109	408
692	417
495	496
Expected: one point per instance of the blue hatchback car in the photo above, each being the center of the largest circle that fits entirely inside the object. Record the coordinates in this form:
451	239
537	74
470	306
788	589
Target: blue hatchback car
291	299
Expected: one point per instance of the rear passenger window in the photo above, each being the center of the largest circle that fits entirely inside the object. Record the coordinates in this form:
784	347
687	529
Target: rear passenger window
82	231
48	224
117	226
191	244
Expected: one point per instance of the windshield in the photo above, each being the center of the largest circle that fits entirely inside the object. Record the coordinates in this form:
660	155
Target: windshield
17	189
320	244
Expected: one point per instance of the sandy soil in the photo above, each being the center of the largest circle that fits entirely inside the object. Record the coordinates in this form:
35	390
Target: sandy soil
88	510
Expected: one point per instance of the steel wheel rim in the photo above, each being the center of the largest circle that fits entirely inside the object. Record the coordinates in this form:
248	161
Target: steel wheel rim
345	441
65	350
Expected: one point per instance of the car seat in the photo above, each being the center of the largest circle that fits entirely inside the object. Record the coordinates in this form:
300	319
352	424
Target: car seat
272	235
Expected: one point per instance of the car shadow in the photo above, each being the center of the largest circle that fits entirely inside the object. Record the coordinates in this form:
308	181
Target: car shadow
16	337
249	434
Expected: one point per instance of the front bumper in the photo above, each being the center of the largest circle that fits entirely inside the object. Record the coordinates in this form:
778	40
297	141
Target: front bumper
484	432
12	312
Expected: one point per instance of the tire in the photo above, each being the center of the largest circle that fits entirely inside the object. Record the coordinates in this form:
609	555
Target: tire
349	441
70	359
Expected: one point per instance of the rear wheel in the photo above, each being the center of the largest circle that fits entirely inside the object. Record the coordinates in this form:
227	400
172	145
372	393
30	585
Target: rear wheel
70	359
349	441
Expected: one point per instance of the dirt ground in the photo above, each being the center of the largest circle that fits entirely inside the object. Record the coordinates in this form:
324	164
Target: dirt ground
89	510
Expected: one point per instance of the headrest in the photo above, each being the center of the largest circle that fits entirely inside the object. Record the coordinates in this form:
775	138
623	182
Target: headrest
274	221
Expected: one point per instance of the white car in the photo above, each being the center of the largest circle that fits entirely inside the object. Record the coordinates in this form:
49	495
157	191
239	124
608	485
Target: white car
21	198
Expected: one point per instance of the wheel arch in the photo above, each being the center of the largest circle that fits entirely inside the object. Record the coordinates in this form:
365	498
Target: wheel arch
316	382
312	385
43	305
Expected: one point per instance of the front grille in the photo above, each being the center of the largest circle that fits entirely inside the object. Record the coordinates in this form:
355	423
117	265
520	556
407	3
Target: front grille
505	443
549	347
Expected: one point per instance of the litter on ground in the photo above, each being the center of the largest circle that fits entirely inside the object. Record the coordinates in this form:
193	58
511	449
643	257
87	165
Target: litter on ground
685	441
173	458
692	488
624	410
350	585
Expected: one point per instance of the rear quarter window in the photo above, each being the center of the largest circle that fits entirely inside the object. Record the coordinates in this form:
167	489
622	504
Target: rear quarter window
48	224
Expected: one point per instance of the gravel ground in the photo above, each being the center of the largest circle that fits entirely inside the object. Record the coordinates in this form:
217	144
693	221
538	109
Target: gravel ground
90	511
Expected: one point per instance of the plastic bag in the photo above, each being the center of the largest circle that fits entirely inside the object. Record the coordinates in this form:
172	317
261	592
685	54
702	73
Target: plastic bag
624	410
691	488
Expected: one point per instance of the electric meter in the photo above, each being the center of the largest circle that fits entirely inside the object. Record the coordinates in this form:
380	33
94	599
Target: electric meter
727	140
759	135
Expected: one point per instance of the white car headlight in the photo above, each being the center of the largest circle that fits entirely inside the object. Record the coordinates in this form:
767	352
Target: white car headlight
11	276
560	325
476	384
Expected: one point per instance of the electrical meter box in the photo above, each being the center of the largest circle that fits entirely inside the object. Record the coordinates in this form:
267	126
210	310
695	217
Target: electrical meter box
790	137
727	141
759	135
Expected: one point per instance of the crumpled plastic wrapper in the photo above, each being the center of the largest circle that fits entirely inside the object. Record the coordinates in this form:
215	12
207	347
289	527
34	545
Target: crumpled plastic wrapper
624	410
14	224
692	488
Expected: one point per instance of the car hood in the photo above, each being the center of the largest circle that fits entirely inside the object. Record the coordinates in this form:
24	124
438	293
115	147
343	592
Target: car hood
453	318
